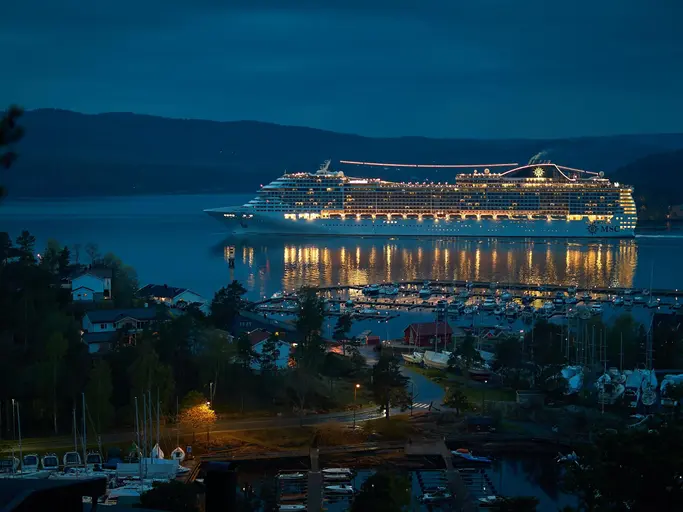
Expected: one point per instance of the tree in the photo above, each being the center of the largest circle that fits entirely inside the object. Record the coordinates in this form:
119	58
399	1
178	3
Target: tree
98	394
509	360
270	355
388	384
341	330
147	372
10	133
466	352
632	470
5	247
518	504
50	257
300	384
245	352
55	350
311	314
173	496
27	246
92	251
76	250
384	491
456	399
64	260
124	280
215	355
196	413
226	305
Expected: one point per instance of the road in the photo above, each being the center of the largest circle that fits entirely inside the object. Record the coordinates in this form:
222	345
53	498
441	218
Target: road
425	390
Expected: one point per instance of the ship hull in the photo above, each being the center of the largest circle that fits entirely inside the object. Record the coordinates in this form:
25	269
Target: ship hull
264	223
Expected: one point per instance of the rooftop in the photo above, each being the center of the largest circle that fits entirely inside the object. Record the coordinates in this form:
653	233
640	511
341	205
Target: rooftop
114	315
430	328
160	290
100	272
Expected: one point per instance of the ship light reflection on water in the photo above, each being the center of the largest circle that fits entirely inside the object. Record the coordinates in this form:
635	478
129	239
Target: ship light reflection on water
330	262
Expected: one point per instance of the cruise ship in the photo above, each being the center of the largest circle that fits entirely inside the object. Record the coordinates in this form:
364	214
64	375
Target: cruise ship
537	200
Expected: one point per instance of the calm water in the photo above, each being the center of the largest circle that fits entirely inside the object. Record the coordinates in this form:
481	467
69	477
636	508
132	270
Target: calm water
168	239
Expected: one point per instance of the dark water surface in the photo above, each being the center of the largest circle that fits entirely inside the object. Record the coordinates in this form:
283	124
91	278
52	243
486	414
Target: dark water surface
168	239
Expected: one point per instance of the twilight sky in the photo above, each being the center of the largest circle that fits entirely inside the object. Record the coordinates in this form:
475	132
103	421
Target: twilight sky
439	68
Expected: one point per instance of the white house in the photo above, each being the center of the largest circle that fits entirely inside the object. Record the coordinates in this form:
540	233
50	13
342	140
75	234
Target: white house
258	338
101	327
173	297
92	284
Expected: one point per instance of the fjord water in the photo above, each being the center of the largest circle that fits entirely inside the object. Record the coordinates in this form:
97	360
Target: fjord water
168	239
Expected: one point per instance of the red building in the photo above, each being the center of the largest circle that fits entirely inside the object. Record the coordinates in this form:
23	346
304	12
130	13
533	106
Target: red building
424	334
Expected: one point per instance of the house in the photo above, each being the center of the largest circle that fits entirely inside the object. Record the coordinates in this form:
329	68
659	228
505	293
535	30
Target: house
283	348
426	333
91	284
247	321
102	327
173	297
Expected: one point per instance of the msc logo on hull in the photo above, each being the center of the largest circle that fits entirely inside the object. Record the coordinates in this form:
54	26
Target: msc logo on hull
594	228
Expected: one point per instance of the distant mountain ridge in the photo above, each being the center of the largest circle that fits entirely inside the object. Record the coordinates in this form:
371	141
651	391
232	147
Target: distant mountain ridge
66	153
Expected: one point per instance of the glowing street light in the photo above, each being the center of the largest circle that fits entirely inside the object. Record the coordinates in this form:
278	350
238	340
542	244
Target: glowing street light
355	390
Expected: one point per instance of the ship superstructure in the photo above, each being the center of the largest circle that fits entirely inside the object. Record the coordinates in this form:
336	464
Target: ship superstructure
544	200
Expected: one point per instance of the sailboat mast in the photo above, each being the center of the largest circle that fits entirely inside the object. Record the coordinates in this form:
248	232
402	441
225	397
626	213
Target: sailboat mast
151	424
137	431
85	441
144	424
21	452
73	414
158	423
177	422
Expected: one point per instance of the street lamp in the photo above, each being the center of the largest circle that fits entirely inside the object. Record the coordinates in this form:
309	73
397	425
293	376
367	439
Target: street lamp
355	390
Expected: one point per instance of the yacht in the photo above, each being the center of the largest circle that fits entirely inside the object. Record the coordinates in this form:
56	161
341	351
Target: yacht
371	290
414	358
30	463
49	462
340	489
425	291
440	494
291	476
464	453
389	290
71	459
94	460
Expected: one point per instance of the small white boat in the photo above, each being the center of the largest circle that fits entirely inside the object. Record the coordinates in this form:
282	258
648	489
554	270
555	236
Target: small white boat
618	301
337	472
157	452
653	302
467	455
425	291
436	496
570	457
93	459
30	463
277	295
72	459
291	476
389	290
507	296
291	507
489	304
596	309
340	489
50	462
371	289
548	307
676	305
414	358
490	501
9	465
571	300
178	454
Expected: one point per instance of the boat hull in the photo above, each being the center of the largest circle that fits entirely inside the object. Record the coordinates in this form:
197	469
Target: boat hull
239	223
